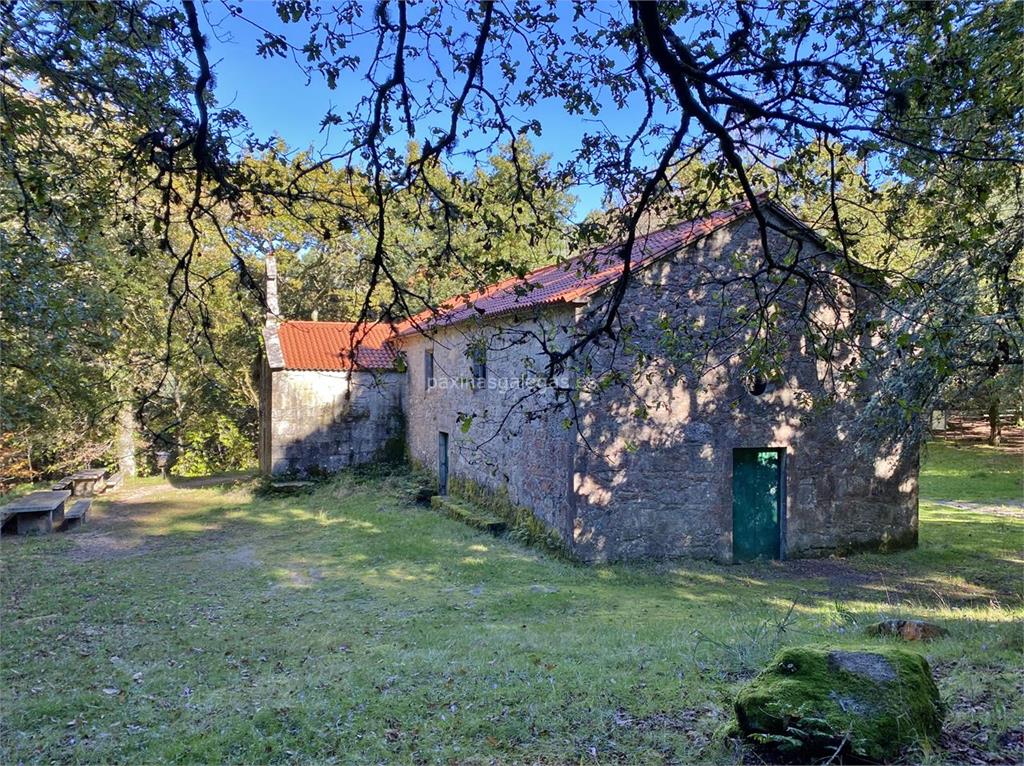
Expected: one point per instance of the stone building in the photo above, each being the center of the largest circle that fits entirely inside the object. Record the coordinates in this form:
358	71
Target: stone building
323	407
673	457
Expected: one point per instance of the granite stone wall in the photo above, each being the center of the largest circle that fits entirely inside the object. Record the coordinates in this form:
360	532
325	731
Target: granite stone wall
653	466
506	433
266	417
326	421
644	468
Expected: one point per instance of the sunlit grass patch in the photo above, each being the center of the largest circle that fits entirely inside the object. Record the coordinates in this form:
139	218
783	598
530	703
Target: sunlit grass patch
971	473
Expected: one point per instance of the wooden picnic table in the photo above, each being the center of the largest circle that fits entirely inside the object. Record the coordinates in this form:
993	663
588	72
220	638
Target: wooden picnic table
91	481
38	512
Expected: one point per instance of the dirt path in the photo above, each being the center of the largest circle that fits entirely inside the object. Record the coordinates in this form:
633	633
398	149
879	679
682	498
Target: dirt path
975	432
140	520
1010	509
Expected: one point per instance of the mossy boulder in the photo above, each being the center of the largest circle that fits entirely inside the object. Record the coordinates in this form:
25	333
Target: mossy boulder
812	701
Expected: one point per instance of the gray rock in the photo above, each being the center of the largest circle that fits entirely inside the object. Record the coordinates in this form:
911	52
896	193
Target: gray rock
867	664
908	630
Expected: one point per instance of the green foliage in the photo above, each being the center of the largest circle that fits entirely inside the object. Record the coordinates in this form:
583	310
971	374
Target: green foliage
128	212
458	233
88	333
964	213
215	447
59	283
452	236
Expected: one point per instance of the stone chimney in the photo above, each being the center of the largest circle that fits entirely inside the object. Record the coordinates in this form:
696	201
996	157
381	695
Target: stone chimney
273	307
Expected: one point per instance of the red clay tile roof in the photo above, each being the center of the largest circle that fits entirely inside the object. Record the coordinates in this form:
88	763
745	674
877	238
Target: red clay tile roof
572	281
328	346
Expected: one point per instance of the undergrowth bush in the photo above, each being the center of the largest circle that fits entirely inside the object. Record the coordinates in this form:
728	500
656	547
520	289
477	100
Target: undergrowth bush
215	447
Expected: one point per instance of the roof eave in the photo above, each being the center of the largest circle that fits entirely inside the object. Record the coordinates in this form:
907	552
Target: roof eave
426	329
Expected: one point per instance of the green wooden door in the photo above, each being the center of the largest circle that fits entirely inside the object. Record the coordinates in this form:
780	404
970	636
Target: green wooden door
442	463
756	503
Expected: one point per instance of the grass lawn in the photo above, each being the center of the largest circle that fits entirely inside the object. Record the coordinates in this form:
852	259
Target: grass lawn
971	473
201	624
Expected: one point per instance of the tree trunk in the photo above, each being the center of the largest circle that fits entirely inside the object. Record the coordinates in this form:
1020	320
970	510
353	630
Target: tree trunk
179	414
995	431
127	428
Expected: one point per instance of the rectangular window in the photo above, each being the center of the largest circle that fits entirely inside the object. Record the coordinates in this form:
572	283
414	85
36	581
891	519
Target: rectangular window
428	369
480	368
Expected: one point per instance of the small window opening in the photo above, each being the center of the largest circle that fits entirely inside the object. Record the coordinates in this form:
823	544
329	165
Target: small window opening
428	369
480	372
477	353
757	384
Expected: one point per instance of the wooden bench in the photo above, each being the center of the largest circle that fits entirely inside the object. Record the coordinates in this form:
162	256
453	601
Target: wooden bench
115	481
76	514
63	484
38	512
91	481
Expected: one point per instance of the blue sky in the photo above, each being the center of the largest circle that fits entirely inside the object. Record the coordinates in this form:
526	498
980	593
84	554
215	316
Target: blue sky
276	99
271	93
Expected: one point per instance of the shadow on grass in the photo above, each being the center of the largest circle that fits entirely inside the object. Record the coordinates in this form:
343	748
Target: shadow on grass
224	480
370	531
